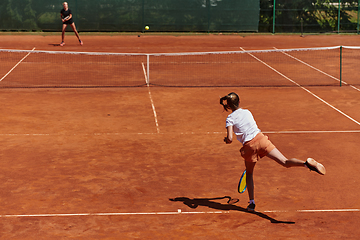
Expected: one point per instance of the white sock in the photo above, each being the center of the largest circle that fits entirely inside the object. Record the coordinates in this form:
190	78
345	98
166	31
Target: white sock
252	201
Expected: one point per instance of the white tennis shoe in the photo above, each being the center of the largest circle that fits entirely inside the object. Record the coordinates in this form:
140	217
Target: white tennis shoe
315	166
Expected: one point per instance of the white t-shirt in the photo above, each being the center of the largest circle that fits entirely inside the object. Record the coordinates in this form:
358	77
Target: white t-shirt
245	127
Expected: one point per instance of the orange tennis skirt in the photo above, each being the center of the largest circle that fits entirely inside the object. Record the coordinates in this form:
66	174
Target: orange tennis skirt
257	148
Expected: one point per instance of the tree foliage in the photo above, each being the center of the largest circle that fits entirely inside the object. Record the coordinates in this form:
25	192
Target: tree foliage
315	15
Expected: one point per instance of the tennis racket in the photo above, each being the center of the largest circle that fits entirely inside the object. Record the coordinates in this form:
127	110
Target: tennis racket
66	18
242	182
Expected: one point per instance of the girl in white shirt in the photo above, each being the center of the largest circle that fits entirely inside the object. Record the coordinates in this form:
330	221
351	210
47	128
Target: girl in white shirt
255	144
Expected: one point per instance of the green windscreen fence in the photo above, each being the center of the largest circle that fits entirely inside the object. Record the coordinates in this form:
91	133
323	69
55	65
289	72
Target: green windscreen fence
133	15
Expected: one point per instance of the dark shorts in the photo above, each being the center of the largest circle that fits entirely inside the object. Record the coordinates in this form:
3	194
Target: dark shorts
69	22
257	148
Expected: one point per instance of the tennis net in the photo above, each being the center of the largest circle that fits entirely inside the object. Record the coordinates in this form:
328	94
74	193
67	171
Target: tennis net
278	67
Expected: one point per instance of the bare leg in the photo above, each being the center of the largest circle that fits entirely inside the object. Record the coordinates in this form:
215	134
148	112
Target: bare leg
75	31
63	32
282	160
293	162
249	178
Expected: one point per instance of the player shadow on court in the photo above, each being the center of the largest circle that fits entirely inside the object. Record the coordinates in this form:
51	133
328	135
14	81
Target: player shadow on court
209	202
54	44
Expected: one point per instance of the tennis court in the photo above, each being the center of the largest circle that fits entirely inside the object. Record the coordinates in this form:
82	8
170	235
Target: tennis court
149	162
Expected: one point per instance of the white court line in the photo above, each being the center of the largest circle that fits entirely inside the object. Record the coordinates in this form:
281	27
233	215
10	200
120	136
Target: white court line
181	133
151	99
16	65
109	214
169	213
305	89
319	70
315	210
325	131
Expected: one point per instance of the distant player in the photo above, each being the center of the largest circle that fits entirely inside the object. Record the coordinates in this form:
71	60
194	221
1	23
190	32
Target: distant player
255	144
66	18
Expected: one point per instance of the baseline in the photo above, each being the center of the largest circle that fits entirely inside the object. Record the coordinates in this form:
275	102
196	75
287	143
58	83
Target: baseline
181	133
166	213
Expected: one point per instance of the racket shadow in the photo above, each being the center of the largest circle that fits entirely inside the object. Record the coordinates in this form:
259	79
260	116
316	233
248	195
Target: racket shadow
209	202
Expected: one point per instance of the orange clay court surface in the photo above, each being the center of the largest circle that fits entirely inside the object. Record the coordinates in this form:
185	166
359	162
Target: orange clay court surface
92	163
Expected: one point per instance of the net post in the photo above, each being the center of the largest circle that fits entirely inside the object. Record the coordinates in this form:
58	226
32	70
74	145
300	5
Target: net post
148	68
274	17
208	15
76	15
338	28
357	29
143	16
341	65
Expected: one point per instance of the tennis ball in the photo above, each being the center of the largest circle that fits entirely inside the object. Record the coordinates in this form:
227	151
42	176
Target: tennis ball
147	28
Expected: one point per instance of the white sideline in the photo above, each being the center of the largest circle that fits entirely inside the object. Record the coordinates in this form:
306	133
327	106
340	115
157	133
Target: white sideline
305	89
318	70
16	65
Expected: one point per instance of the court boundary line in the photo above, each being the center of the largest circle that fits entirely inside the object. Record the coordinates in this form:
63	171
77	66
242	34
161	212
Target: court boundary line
316	69
179	212
172	133
316	210
305	89
17	64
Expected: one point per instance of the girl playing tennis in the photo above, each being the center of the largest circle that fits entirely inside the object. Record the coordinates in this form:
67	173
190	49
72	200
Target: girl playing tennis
66	18
255	144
